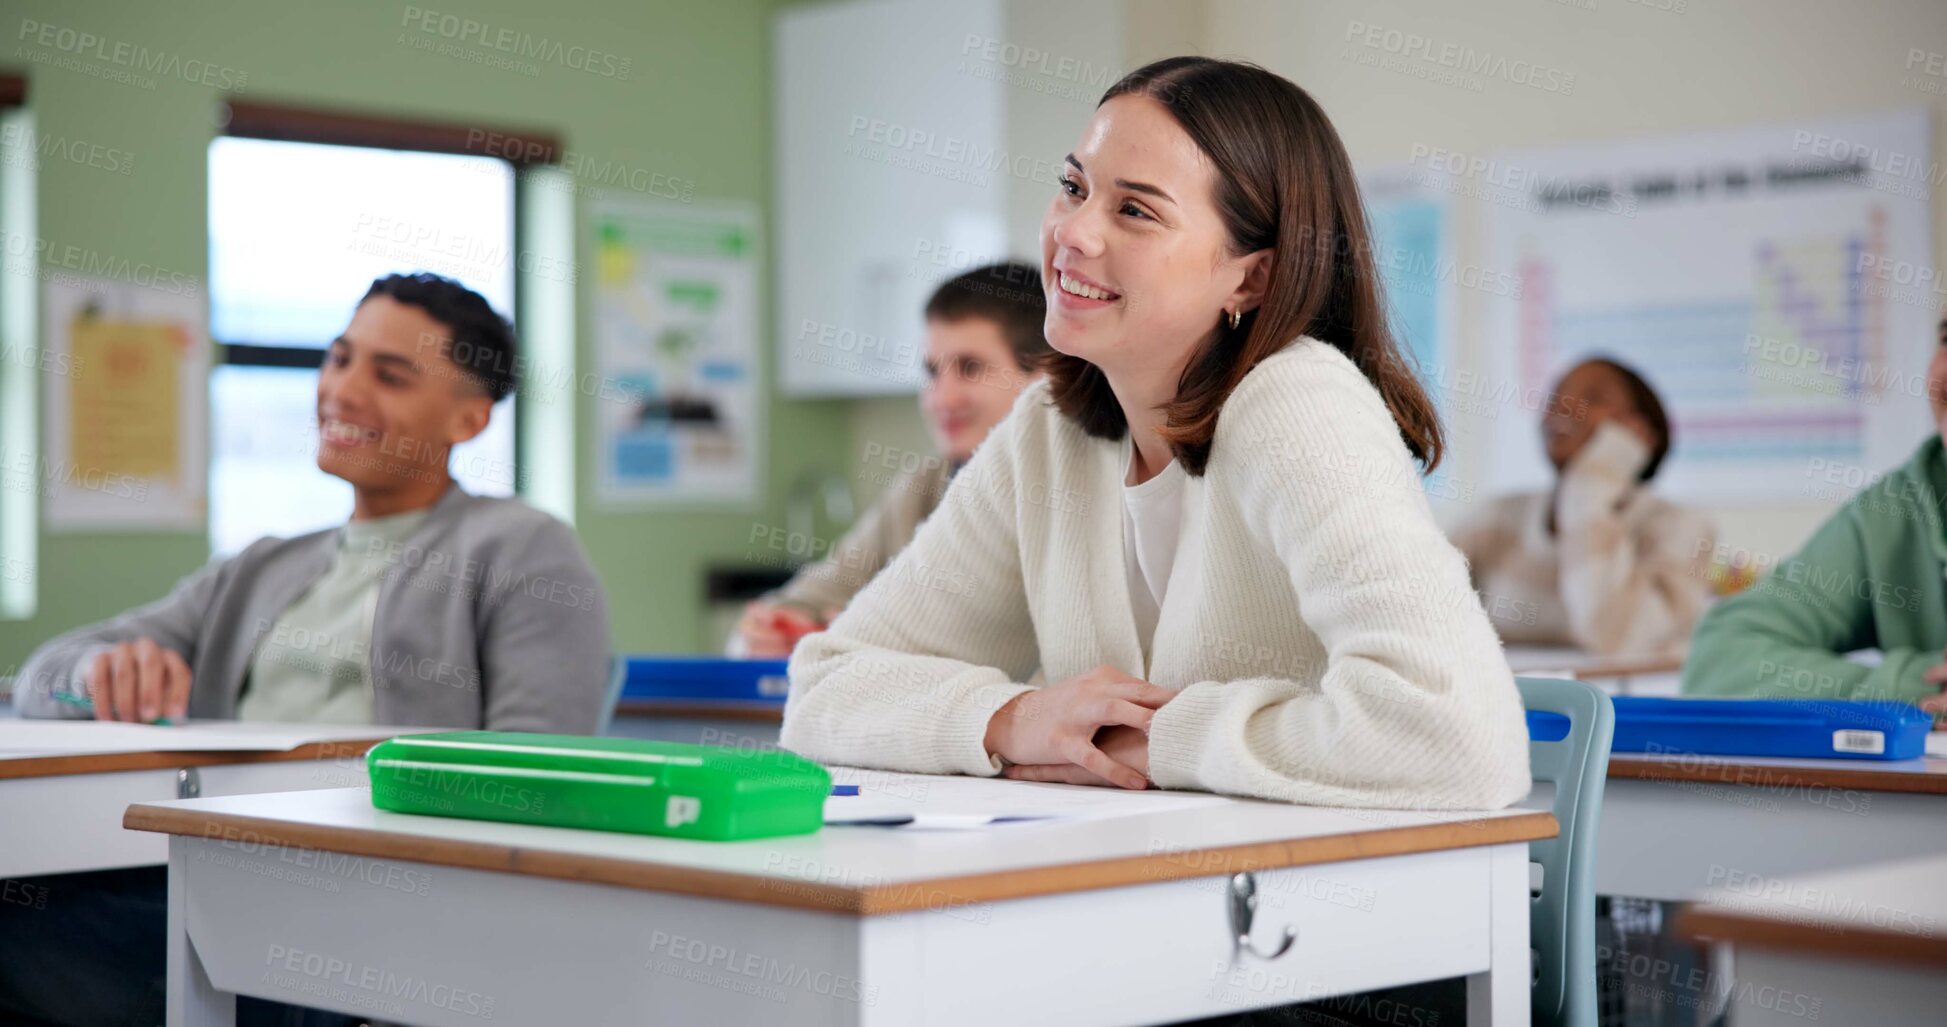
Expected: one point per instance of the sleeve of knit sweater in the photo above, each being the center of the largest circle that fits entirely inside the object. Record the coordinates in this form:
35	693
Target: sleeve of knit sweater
830	583
909	675
1625	591
1786	636
1416	706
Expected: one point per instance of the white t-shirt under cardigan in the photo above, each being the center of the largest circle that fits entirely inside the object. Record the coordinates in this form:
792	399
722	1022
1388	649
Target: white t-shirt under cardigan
1319	630
1152	518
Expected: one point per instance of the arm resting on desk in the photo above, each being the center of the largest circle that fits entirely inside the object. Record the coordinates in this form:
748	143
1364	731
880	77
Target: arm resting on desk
1415	705
909	675
174	622
1786	635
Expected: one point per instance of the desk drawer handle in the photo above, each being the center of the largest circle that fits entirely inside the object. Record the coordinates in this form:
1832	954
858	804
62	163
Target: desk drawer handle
1243	909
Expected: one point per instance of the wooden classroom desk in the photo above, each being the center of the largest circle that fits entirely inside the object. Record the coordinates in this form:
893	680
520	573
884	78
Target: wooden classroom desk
700	722
63	811
1667	819
1634	674
441	921
1866	945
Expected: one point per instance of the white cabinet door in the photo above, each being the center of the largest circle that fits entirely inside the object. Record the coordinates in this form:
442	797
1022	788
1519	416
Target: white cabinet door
891	170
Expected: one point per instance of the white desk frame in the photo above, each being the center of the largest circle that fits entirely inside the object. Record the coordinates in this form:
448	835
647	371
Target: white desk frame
433	943
1673	839
71	822
1861	946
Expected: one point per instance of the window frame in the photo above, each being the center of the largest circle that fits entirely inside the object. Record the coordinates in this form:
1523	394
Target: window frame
20	406
520	148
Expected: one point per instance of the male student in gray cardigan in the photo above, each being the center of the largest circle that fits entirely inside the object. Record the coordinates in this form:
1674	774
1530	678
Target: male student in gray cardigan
430	607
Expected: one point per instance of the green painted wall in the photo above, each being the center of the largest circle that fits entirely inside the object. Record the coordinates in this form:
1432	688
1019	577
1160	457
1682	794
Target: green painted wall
695	106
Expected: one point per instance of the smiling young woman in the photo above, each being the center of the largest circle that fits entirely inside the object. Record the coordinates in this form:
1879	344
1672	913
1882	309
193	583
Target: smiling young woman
1278	246
1207	529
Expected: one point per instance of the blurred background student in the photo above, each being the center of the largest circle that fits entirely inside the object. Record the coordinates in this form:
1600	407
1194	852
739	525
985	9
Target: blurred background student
1873	577
1599	561
421	609
493	617
983	346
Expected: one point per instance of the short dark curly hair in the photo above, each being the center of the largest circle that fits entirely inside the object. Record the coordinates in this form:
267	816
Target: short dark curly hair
482	346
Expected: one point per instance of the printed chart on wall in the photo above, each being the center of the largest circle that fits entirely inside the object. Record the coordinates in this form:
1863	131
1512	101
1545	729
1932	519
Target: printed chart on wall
126	413
1773	283
676	346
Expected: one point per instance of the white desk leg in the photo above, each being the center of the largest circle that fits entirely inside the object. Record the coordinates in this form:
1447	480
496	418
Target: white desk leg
1501	996
193	1000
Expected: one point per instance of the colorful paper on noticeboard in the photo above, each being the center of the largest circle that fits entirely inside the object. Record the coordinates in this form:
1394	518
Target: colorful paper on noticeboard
127	413
125	418
676	352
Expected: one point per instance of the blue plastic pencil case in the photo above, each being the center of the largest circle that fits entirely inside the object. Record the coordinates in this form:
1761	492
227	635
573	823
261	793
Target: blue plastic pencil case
705	678
1812	728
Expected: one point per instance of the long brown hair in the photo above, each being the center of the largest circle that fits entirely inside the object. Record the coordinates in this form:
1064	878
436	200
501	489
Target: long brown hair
1284	183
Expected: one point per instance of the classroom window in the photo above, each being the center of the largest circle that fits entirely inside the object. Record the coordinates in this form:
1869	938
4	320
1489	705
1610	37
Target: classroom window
297	233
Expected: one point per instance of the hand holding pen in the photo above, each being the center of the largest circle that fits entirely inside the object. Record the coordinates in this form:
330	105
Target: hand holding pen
138	681
772	630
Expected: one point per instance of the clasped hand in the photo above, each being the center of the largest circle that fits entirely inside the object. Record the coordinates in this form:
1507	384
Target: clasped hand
1090	729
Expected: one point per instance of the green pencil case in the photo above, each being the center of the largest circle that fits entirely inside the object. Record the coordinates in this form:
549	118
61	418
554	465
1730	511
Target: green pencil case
600	784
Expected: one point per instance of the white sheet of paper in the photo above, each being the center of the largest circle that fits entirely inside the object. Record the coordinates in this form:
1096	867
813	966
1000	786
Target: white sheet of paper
23	738
952	802
1937	743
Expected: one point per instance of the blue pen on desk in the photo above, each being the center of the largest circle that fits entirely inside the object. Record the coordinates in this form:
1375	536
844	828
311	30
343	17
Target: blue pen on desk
88	704
845	789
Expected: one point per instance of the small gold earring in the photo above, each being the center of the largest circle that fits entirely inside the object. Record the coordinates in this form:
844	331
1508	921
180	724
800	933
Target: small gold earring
1236	318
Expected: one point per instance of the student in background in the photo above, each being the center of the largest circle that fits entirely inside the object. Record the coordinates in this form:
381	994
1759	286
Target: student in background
431	607
1598	562
983	346
1874	576
1206	527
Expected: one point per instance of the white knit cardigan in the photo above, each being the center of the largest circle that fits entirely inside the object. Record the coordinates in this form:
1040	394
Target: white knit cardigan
1319	629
